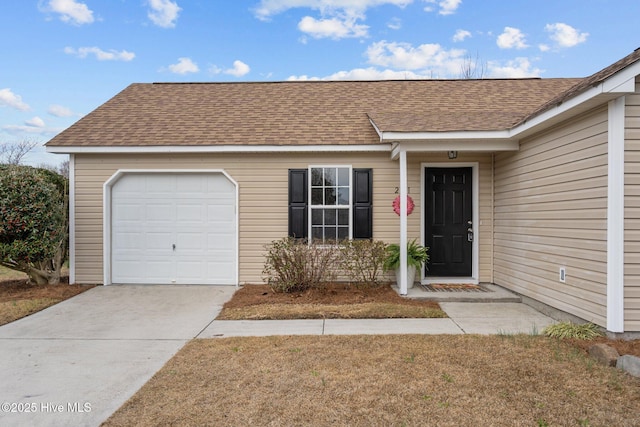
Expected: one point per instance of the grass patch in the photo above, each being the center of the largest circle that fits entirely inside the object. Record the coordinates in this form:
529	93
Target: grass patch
19	299
14	310
333	301
330	311
584	331
383	380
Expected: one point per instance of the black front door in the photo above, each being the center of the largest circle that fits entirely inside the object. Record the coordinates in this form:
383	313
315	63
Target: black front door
448	222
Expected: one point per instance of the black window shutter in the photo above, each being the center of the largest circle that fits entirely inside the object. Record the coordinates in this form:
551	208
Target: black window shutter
362	203
298	209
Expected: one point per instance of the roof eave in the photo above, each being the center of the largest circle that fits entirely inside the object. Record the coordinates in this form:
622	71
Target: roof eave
127	149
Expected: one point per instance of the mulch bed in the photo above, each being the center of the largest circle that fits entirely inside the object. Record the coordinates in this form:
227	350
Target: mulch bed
332	293
20	289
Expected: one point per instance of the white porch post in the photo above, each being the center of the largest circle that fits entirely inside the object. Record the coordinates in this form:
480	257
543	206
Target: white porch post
403	223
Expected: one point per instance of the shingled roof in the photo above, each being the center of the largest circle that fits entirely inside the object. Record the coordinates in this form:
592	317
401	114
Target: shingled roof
305	113
313	113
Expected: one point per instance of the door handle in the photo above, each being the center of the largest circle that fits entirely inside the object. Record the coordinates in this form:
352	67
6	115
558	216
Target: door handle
469	234
174	247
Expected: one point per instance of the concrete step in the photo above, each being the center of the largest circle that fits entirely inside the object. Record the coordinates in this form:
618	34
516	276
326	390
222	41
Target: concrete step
490	293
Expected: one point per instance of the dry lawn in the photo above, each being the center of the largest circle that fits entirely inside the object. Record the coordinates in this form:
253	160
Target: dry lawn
19	299
384	380
335	301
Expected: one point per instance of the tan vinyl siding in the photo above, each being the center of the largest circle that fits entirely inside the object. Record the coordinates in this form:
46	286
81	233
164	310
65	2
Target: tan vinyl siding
632	212
262	181
551	211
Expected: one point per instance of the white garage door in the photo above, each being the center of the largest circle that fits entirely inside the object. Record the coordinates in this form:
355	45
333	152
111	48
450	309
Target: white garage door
173	228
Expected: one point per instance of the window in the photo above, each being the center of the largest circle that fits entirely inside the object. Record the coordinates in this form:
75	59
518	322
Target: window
330	203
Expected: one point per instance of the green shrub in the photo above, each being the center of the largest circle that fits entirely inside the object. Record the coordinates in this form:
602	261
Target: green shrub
585	331
362	261
33	222
294	265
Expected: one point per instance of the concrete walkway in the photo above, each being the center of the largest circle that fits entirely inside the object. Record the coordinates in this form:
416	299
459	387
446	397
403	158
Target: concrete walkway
77	362
464	318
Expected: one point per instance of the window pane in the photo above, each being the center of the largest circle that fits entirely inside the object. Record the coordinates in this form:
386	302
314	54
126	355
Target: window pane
316	217
316	196
343	177
330	217
316	233
343	233
343	196
316	177
330	177
330	233
343	217
329	196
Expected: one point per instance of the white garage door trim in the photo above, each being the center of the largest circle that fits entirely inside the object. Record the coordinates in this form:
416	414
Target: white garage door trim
107	218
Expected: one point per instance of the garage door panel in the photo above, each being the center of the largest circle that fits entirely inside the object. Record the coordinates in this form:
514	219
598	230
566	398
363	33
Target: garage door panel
152	212
190	241
131	212
190	212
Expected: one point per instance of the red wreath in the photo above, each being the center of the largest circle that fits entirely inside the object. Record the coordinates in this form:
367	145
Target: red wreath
410	205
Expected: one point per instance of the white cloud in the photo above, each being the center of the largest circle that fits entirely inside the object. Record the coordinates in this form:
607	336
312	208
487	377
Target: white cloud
370	73
71	11
268	8
338	18
60	111
544	47
511	38
35	122
431	59
334	28
239	69
10	99
516	68
184	66
32	126
460	35
565	35
395	24
101	55
446	7
163	13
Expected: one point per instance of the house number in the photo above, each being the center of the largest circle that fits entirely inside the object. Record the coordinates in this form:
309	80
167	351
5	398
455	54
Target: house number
397	190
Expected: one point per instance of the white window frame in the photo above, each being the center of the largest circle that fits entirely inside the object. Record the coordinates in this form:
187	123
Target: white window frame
312	206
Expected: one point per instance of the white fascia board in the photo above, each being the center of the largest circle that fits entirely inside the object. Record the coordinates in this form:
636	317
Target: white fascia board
219	149
479	145
591	98
378	131
444	136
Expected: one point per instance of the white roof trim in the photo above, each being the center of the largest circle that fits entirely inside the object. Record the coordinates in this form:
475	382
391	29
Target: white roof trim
219	149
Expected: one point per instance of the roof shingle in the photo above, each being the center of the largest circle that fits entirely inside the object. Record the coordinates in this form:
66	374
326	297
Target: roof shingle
304	113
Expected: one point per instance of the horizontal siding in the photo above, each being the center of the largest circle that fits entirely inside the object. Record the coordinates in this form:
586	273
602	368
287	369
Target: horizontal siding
262	181
551	211
632	212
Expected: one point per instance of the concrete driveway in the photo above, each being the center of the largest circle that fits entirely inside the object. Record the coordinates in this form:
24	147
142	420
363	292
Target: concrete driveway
77	362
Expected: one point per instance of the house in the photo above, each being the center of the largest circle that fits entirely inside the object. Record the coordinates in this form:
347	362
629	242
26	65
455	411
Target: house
531	184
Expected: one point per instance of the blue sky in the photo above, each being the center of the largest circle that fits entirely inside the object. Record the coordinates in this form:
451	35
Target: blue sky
63	58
